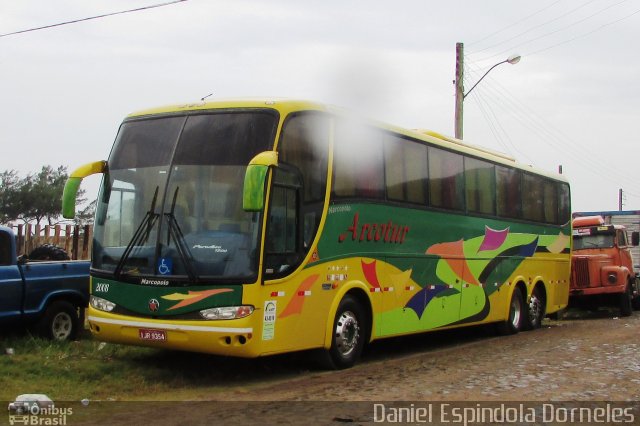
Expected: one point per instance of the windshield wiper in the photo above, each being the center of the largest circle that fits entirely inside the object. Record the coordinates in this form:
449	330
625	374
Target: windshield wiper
174	231
140	236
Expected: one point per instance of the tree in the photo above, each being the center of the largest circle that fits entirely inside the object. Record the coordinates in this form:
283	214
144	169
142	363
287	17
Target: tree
36	197
9	187
85	216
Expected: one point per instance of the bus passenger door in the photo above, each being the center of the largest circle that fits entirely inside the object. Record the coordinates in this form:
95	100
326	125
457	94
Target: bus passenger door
296	298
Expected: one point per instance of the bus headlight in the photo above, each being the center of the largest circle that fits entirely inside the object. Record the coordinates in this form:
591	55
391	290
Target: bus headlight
226	312
101	304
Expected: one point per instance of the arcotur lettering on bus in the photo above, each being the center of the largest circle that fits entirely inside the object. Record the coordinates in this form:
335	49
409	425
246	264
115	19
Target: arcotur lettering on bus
377	232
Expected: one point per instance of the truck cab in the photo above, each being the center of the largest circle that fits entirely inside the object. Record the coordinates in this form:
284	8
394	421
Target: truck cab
48	295
602	271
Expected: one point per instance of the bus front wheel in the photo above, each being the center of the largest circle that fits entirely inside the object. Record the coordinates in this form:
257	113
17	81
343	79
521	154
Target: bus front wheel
349	333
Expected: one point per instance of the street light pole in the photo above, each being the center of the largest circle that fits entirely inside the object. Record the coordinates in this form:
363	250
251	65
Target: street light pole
460	95
459	89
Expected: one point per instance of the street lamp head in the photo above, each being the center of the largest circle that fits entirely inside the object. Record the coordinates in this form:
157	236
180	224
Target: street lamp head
514	59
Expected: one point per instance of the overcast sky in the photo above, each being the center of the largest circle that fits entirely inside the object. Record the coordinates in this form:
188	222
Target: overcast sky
573	100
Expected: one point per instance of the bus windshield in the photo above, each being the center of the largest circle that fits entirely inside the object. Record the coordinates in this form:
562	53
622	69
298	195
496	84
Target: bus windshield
171	201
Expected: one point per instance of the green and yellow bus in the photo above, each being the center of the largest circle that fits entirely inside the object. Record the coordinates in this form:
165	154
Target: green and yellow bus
257	227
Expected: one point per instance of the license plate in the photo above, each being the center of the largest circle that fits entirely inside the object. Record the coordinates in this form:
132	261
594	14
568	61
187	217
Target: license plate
151	334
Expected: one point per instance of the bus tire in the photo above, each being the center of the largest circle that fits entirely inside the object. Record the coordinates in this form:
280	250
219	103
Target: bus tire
348	334
626	302
536	309
60	321
515	320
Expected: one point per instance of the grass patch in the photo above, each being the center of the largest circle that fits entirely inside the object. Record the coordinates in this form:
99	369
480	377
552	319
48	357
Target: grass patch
87	368
70	370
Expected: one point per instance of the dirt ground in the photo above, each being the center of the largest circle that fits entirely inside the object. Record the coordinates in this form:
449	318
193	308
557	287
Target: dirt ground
590	357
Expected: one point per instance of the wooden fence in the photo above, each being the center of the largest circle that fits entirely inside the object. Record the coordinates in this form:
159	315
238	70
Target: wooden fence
74	239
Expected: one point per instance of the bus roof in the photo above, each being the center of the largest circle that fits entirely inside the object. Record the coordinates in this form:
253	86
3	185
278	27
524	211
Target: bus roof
285	106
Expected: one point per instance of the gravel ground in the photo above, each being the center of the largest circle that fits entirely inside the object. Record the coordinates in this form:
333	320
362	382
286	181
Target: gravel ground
583	359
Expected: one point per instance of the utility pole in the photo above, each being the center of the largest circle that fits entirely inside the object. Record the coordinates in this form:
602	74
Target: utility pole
460	95
620	199
459	89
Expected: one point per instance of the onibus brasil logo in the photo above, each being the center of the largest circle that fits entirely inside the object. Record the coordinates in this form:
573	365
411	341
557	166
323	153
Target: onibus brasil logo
37	409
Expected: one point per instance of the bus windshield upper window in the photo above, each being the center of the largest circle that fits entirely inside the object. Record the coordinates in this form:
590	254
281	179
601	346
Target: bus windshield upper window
145	143
179	179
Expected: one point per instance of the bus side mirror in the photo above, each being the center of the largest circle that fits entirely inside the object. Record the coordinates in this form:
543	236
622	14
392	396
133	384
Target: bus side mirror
635	238
73	184
254	180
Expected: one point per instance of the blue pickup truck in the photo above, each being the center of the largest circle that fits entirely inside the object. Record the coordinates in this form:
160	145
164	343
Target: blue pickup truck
49	296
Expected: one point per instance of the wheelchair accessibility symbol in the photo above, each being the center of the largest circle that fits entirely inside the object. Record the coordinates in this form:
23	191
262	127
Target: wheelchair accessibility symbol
165	266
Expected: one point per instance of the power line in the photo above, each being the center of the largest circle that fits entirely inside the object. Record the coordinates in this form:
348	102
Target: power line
514	24
535	27
557	31
75	21
585	34
549	135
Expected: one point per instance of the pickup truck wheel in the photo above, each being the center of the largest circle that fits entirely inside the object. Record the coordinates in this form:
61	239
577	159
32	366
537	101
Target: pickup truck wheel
625	302
60	321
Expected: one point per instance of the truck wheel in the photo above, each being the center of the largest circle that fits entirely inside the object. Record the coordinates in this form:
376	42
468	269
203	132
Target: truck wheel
636	303
48	252
536	312
514	323
625	302
349	334
60	321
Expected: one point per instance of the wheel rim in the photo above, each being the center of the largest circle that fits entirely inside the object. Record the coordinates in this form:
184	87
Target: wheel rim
61	326
535	310
347	333
516	312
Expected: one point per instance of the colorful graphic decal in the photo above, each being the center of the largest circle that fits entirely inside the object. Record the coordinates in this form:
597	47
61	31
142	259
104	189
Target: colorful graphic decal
369	271
192	297
418	275
297	301
559	245
477	267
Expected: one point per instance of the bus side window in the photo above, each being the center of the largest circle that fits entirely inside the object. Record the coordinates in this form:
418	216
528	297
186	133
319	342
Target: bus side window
298	191
358	162
446	179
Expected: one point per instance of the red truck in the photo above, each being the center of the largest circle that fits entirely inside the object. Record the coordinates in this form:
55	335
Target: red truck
602	272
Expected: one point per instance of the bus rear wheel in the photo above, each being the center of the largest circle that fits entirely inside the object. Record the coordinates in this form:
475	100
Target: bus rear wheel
349	333
515	321
536	311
